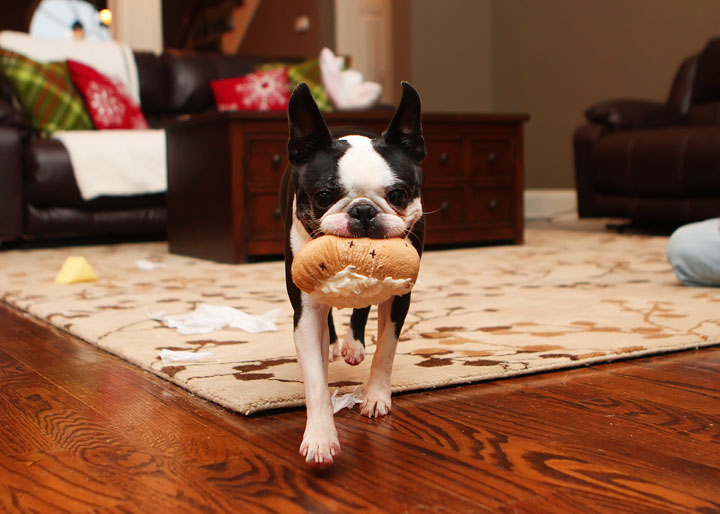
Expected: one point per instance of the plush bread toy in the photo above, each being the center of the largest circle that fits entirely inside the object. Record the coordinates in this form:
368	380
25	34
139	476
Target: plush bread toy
344	272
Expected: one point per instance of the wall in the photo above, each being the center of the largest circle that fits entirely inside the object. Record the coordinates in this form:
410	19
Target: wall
555	58
241	19
450	53
138	23
551	59
271	32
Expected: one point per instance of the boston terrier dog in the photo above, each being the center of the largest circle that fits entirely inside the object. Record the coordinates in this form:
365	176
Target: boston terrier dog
349	185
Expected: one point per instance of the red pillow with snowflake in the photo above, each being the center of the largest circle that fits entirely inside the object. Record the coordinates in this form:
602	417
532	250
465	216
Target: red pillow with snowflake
259	91
107	101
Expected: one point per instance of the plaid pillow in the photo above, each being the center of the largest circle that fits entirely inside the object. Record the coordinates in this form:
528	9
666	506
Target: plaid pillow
308	72
46	92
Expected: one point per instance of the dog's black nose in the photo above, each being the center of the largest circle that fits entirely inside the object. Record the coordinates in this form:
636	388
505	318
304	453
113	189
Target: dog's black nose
363	212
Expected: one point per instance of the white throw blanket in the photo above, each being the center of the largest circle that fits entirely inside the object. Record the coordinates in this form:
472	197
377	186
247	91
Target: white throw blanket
117	162
110	58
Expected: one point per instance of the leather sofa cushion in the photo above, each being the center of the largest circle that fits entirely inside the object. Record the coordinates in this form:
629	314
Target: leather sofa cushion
154	83
49	181
672	162
190	76
62	222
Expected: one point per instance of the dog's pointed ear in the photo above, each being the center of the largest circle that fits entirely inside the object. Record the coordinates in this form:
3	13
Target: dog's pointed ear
405	129
308	131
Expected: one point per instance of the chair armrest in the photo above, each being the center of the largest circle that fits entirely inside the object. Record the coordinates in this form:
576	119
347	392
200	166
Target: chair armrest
584	140
11	185
631	114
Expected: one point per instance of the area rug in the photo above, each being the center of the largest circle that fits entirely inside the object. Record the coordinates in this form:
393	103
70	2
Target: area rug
565	298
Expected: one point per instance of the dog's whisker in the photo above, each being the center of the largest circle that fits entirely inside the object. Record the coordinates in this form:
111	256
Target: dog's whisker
415	237
316	233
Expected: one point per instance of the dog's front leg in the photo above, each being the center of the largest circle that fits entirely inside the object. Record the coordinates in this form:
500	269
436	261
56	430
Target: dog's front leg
391	316
312	338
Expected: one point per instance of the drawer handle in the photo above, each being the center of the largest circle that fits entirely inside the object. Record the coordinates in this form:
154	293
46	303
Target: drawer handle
445	206
276	160
492	204
492	157
444	158
277	213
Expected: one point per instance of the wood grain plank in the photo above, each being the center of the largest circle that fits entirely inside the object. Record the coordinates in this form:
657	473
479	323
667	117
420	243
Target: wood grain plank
653	410
586	503
580	460
83	432
644	448
213	442
53	481
542	442
17	437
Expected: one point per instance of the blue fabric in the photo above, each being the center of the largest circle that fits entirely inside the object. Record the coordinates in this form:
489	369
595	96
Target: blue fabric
694	253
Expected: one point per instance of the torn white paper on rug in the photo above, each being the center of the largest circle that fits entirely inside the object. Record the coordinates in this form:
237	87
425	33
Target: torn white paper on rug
207	318
172	356
347	400
146	265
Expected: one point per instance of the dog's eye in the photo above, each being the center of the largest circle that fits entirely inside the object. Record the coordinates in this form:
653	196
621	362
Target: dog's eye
323	199
398	198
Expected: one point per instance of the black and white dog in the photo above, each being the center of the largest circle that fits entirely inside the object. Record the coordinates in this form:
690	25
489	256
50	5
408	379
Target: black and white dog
352	186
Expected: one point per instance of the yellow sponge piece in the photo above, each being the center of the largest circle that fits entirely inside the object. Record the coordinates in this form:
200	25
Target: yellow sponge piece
75	269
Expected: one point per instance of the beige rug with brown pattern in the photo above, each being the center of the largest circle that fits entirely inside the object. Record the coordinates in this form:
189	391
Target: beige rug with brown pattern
564	299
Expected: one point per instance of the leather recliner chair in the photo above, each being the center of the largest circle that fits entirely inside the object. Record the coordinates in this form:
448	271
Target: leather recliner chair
39	198
655	162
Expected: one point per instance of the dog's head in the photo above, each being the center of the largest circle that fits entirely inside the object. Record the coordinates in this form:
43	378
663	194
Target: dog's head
356	186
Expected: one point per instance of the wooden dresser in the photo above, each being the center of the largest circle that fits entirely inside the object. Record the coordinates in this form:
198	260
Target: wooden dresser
224	173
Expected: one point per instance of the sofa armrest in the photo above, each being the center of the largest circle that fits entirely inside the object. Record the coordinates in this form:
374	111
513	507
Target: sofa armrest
11	116
631	114
11	185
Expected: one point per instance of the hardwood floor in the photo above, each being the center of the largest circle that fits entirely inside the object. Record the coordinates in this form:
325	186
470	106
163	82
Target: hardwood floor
84	431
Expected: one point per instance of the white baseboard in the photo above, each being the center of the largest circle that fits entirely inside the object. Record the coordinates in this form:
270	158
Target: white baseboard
544	204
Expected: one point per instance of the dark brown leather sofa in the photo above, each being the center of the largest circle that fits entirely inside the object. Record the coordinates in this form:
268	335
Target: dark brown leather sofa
655	162
39	198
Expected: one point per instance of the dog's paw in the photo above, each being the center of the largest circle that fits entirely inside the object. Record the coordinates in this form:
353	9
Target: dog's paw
376	404
334	352
320	447
353	351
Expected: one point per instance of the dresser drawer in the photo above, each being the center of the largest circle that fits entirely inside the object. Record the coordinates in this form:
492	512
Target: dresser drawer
445	159
263	216
491	157
266	160
444	207
491	205
472	190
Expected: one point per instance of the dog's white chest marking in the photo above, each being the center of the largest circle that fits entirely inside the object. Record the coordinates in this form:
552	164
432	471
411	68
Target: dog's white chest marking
361	169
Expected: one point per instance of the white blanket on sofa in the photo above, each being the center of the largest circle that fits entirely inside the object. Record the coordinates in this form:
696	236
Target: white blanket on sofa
110	58
117	162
